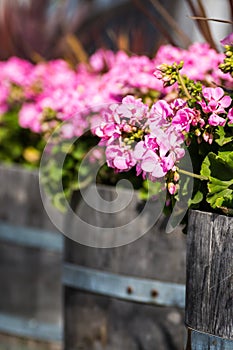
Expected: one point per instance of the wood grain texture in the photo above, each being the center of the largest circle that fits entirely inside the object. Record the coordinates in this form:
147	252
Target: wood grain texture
30	278
20	198
209	290
14	343
99	322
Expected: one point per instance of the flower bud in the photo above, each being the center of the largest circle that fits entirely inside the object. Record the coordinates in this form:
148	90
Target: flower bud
211	138
171	188
199	140
198	132
127	128
206	136
176	176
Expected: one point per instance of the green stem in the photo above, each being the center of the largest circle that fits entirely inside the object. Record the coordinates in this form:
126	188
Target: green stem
200	177
181	81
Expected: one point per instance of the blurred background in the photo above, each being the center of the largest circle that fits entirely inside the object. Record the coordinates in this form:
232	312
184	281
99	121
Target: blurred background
45	29
31	295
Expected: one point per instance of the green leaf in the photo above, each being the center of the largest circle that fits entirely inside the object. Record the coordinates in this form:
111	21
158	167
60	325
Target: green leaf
219	170
223	139
227	156
217	199
217	185
59	202
218	166
150	189
79	153
198	197
205	168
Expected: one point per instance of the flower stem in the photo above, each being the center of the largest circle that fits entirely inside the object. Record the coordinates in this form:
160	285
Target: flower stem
181	81
196	176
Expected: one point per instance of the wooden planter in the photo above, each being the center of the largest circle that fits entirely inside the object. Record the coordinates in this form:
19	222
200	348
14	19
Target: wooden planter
112	297
30	261
209	290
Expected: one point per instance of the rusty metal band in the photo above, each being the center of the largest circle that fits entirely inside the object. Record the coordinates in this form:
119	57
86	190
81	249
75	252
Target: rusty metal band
124	287
200	341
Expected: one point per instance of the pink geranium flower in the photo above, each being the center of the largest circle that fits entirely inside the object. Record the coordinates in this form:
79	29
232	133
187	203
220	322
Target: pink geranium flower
148	162
216	101
183	118
230	116
119	158
29	117
158	152
108	132
159	113
131	110
215	120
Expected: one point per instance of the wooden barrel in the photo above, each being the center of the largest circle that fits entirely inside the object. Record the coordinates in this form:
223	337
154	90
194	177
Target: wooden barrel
30	261
127	297
209	290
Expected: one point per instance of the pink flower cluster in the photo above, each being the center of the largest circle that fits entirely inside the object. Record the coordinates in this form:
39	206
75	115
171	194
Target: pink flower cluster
200	62
152	139
141	123
135	134
13	73
51	92
215	104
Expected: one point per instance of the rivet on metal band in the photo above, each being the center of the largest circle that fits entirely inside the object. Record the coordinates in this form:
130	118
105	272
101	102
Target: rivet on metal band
130	288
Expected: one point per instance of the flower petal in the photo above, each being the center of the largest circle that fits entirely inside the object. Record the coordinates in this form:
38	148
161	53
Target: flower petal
120	163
